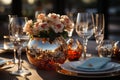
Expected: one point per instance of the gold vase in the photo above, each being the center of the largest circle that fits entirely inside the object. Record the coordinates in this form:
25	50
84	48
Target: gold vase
45	54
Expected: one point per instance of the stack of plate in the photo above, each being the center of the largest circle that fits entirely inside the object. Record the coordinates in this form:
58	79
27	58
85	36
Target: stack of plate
109	69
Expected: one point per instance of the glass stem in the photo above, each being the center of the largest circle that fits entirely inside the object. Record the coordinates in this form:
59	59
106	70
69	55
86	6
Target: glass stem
85	40
99	51
15	55
19	60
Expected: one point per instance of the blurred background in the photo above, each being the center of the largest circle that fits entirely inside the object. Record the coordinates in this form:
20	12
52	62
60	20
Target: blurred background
111	9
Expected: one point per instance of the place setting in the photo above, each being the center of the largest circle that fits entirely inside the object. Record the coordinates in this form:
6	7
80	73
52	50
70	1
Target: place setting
95	66
61	53
92	67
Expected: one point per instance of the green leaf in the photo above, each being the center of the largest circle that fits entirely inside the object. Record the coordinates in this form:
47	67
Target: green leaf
51	34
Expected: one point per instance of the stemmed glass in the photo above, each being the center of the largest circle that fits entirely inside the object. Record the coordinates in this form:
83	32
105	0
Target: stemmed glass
85	28
11	34
19	39
99	30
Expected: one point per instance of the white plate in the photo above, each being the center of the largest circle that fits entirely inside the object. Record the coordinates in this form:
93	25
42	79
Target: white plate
77	63
114	68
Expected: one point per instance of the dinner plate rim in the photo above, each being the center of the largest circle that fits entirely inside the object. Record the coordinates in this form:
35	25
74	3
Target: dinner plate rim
87	76
89	73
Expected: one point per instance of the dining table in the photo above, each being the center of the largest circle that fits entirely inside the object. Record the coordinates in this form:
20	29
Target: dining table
38	74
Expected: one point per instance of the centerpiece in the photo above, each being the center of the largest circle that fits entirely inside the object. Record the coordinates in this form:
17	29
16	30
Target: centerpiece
47	45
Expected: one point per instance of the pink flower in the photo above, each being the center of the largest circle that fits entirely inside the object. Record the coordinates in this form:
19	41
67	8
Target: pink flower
53	21
53	17
28	27
43	26
67	22
41	17
58	27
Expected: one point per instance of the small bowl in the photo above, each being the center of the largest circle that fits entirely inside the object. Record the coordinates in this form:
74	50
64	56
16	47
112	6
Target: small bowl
106	50
74	49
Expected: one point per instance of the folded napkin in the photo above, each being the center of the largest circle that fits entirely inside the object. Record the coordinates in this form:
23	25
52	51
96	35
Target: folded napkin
94	63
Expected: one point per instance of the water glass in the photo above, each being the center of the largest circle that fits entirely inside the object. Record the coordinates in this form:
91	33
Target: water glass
99	23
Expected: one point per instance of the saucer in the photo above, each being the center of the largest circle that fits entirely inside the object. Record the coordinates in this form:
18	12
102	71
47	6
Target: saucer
110	68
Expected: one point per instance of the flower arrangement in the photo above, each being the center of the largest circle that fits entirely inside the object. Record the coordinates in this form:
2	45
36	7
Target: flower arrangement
48	26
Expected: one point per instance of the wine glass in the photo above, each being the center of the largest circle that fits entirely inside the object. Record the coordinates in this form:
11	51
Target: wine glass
99	30
11	32
19	39
85	28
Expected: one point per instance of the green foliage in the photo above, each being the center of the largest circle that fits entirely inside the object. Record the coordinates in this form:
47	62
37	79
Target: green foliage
51	34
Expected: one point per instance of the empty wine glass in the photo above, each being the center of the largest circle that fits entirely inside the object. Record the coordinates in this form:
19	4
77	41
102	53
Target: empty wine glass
18	37
99	30
85	28
11	32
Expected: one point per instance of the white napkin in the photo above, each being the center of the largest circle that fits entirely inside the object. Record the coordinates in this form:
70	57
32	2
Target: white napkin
94	63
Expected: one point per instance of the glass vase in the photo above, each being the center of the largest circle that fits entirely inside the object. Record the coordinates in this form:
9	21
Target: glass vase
46	54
